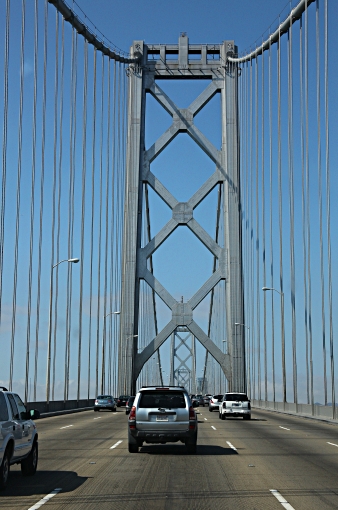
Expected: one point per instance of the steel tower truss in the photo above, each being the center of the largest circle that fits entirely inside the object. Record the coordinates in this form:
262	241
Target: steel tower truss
183	372
143	80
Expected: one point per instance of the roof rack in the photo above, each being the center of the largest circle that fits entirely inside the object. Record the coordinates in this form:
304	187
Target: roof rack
163	386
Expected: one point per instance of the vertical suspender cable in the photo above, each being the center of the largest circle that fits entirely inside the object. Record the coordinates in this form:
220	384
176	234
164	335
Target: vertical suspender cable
113	240
100	220
291	209
271	230
303	209
92	228
4	150
307	176
257	247
251	226
32	201
18	197
58	232
72	145
320	199
328	207
42	180
280	208
263	234
83	210
53	198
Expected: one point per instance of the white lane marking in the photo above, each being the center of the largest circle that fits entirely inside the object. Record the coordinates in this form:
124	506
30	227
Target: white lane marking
66	427
231	446
98	418
283	428
45	499
116	444
213	427
206	419
282	500
332	444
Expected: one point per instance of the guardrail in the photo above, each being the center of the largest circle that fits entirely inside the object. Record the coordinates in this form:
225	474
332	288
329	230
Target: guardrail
317	411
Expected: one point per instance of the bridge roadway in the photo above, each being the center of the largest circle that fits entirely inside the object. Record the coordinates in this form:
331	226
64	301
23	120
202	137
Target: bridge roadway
86	455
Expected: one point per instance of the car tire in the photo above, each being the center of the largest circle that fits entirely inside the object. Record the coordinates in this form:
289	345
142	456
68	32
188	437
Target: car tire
247	417
30	463
4	470
219	415
132	448
223	417
114	410
210	410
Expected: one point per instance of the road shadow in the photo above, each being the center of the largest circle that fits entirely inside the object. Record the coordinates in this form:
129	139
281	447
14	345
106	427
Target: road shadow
177	449
43	482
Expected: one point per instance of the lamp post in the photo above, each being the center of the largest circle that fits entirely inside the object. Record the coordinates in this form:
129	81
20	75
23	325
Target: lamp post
73	261
103	349
283	336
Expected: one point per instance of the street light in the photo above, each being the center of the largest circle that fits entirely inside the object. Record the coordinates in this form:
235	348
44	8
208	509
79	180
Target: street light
283	336
103	348
73	261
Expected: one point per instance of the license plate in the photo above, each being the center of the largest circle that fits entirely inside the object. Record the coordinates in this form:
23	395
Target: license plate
161	417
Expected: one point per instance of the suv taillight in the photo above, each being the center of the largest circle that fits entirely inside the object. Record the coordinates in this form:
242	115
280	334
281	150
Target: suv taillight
96	401
192	417
132	418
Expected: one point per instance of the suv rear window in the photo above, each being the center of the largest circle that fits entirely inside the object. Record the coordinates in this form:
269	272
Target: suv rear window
229	397
168	400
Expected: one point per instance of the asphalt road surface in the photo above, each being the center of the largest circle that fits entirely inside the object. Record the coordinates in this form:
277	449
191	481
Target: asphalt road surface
272	462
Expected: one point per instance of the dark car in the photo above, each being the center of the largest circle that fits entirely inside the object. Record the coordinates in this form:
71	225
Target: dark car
122	400
129	404
200	400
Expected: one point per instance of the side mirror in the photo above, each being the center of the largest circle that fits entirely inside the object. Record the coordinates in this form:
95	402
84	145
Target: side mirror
34	414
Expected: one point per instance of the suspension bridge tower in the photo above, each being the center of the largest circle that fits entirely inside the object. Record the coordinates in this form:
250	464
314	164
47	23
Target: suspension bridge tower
221	76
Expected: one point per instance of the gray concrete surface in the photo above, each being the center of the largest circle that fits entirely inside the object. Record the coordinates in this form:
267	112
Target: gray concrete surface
273	451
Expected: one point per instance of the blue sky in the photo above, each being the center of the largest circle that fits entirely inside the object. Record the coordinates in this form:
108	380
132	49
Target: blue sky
182	264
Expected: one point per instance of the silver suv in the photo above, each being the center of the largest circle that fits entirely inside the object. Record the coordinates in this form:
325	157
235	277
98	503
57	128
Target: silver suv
162	415
235	404
19	437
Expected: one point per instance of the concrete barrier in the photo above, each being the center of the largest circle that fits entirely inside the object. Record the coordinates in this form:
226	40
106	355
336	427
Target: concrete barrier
306	410
57	407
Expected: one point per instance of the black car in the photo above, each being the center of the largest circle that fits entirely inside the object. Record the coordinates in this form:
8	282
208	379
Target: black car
129	404
122	400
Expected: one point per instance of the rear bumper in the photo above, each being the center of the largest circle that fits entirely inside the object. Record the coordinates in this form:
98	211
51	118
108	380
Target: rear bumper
238	412
153	436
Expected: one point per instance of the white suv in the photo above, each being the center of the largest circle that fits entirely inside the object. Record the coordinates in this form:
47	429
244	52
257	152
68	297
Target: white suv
235	404
19	437
162	415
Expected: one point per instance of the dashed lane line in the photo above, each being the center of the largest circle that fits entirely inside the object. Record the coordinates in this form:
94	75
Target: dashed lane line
231	446
281	499
66	427
333	444
206	419
213	427
283	428
45	499
98	418
116	444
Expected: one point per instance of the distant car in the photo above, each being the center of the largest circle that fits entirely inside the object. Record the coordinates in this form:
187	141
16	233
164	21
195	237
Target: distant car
105	402
235	404
162	415
200	400
214	402
206	399
18	438
195	401
122	400
129	404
